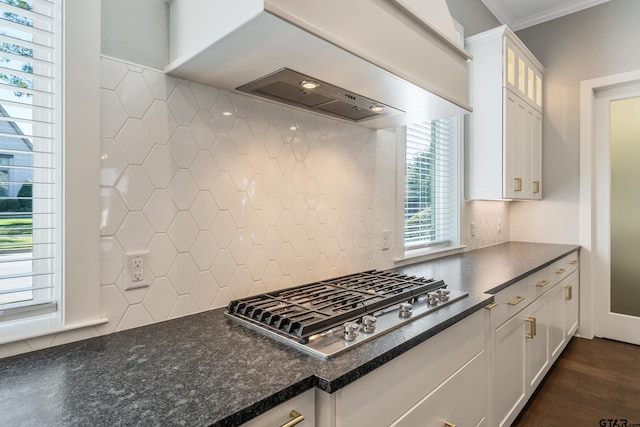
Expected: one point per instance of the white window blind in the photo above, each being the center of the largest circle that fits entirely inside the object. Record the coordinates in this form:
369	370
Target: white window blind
430	193
29	146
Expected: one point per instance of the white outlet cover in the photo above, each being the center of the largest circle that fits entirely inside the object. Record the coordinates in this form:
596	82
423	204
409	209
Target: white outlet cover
135	277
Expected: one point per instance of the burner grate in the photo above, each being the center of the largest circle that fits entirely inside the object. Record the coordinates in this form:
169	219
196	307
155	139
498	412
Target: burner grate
303	311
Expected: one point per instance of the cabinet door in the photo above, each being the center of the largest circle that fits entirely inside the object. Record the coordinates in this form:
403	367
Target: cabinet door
509	371
537	341
515	69
515	146
521	75
571	293
535	153
461	400
522	149
556	321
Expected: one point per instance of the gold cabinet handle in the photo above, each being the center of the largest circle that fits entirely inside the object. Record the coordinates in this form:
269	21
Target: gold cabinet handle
517	184
532	327
542	283
574	262
517	301
560	271
569	296
536	186
490	306
297	418
449	424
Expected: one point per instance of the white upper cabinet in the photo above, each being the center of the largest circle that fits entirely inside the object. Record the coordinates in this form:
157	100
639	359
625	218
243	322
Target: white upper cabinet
504	139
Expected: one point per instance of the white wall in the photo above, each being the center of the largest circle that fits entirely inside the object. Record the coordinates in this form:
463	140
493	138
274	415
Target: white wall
596	42
136	30
473	15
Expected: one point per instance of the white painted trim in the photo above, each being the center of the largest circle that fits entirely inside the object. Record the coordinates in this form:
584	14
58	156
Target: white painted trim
586	228
502	14
81	136
54	330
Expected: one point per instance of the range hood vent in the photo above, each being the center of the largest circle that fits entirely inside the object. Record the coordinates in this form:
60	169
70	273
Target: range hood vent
285	86
403	55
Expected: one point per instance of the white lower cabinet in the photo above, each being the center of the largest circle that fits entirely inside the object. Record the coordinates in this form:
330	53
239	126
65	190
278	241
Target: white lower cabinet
571	289
509	383
296	408
479	372
523	346
536	341
441	380
444	407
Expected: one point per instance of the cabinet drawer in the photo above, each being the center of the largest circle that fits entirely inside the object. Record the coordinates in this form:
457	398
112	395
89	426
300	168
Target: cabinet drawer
303	404
460	400
572	261
563	267
383	395
545	279
510	301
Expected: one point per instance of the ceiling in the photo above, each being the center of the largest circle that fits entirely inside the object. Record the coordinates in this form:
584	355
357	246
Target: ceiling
519	14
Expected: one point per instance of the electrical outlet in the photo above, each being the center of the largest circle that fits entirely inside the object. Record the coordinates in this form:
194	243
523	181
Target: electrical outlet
135	266
499	226
473	229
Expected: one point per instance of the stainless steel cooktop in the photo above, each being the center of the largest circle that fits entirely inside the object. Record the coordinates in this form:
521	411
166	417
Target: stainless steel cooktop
330	316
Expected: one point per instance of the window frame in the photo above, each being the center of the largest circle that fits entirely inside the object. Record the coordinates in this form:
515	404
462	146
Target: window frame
402	254
79	293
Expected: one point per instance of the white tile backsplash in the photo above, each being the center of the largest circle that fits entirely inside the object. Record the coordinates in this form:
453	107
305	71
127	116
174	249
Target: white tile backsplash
485	215
234	196
231	195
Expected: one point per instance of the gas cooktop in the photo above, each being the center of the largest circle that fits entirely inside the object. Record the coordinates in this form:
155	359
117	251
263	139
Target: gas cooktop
327	317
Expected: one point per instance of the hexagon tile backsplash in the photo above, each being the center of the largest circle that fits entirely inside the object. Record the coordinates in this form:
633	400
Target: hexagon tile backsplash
231	196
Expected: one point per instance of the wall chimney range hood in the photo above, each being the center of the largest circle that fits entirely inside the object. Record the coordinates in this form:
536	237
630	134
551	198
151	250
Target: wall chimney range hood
377	63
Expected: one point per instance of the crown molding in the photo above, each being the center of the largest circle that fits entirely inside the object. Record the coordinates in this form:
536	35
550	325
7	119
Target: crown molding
503	13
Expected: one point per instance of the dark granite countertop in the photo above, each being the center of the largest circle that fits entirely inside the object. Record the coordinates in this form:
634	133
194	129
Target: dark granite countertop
205	370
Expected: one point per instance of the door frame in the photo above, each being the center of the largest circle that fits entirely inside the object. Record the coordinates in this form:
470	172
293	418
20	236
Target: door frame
587	204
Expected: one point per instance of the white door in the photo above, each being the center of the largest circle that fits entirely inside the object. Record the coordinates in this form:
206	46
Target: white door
616	213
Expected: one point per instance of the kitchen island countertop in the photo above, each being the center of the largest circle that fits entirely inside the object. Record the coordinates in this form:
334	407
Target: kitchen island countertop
205	370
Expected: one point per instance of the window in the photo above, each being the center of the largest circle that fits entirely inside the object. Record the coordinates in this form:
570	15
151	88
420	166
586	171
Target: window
29	158
430	211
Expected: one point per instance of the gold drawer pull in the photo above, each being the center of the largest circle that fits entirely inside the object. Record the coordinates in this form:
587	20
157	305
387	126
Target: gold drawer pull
517	184
574	262
542	283
517	301
490	306
297	418
562	270
532	327
536	187
569	296
448	424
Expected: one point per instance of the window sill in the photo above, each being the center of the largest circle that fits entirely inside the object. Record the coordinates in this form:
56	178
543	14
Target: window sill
41	326
425	254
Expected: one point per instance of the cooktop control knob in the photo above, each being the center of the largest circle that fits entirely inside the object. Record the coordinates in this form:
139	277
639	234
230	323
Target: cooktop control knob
350	330
369	324
443	294
405	309
433	298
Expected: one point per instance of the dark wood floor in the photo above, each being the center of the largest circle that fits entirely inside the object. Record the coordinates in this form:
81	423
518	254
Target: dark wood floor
593	380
